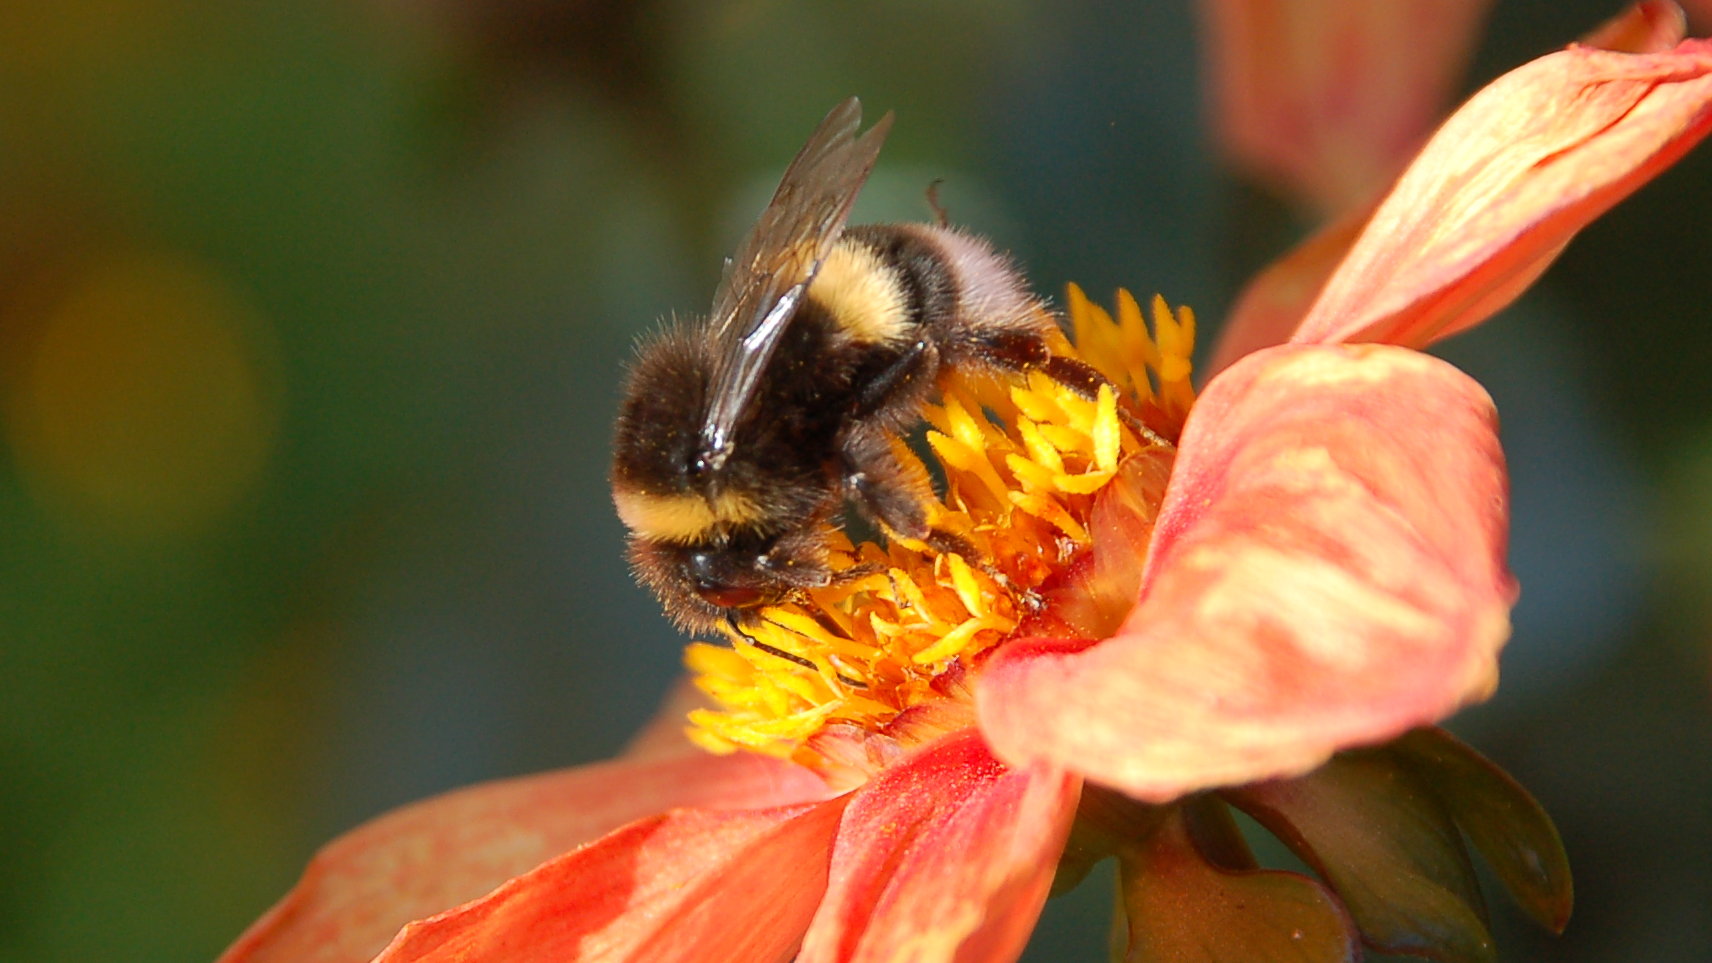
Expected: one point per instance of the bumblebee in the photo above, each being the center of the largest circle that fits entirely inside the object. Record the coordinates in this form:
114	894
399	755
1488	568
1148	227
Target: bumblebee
741	436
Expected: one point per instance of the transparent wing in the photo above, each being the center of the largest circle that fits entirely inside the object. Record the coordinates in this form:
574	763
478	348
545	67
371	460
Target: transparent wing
766	279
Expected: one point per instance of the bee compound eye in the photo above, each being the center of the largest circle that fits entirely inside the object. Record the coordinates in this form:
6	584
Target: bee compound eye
702	568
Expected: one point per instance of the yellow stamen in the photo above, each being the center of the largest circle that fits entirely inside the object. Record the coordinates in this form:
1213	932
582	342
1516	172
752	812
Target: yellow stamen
1026	461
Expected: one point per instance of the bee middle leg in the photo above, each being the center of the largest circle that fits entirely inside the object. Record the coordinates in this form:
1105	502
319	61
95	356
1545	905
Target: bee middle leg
881	486
898	381
896	496
941	216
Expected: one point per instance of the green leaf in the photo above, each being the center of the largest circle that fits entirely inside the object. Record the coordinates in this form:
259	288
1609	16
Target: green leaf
1509	828
1386	844
1107	822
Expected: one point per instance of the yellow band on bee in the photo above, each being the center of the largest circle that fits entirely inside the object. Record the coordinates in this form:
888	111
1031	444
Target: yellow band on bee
861	294
681	518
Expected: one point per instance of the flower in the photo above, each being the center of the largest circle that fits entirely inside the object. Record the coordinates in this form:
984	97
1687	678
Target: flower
1327	99
1256	601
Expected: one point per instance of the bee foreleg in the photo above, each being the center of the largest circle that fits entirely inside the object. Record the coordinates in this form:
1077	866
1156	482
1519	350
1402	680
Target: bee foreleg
797	559
886	491
770	650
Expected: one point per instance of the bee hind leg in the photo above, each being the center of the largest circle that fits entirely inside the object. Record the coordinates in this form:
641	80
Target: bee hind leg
1018	351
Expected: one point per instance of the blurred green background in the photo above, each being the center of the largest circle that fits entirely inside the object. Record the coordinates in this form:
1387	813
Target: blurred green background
311	322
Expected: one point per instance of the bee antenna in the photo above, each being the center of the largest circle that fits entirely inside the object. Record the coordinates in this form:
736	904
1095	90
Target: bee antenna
940	215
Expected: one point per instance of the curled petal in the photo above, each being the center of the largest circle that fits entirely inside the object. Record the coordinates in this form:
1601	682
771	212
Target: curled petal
946	856
1327	98
435	854
1181	907
1504	185
1272	305
1276	300
1651	26
1327	570
688	885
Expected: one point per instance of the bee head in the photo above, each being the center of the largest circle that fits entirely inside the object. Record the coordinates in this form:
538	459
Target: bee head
699	585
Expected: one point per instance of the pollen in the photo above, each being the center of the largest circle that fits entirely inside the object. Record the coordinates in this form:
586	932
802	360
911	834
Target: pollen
1033	474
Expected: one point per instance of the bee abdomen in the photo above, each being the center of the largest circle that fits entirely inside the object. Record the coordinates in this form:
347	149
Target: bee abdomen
953	288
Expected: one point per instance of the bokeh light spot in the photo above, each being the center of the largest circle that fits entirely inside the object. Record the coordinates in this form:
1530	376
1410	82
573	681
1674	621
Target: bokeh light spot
149	401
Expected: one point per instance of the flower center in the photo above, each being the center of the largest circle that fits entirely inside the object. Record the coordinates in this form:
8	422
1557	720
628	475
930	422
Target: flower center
1054	495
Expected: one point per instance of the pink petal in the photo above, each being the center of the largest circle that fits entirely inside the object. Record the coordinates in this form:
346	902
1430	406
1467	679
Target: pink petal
689	885
946	856
1504	185
1327	570
435	854
1326	99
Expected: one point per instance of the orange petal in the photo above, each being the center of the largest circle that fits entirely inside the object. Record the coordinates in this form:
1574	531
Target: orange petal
689	885
1504	185
435	854
946	856
1326	99
1327	570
